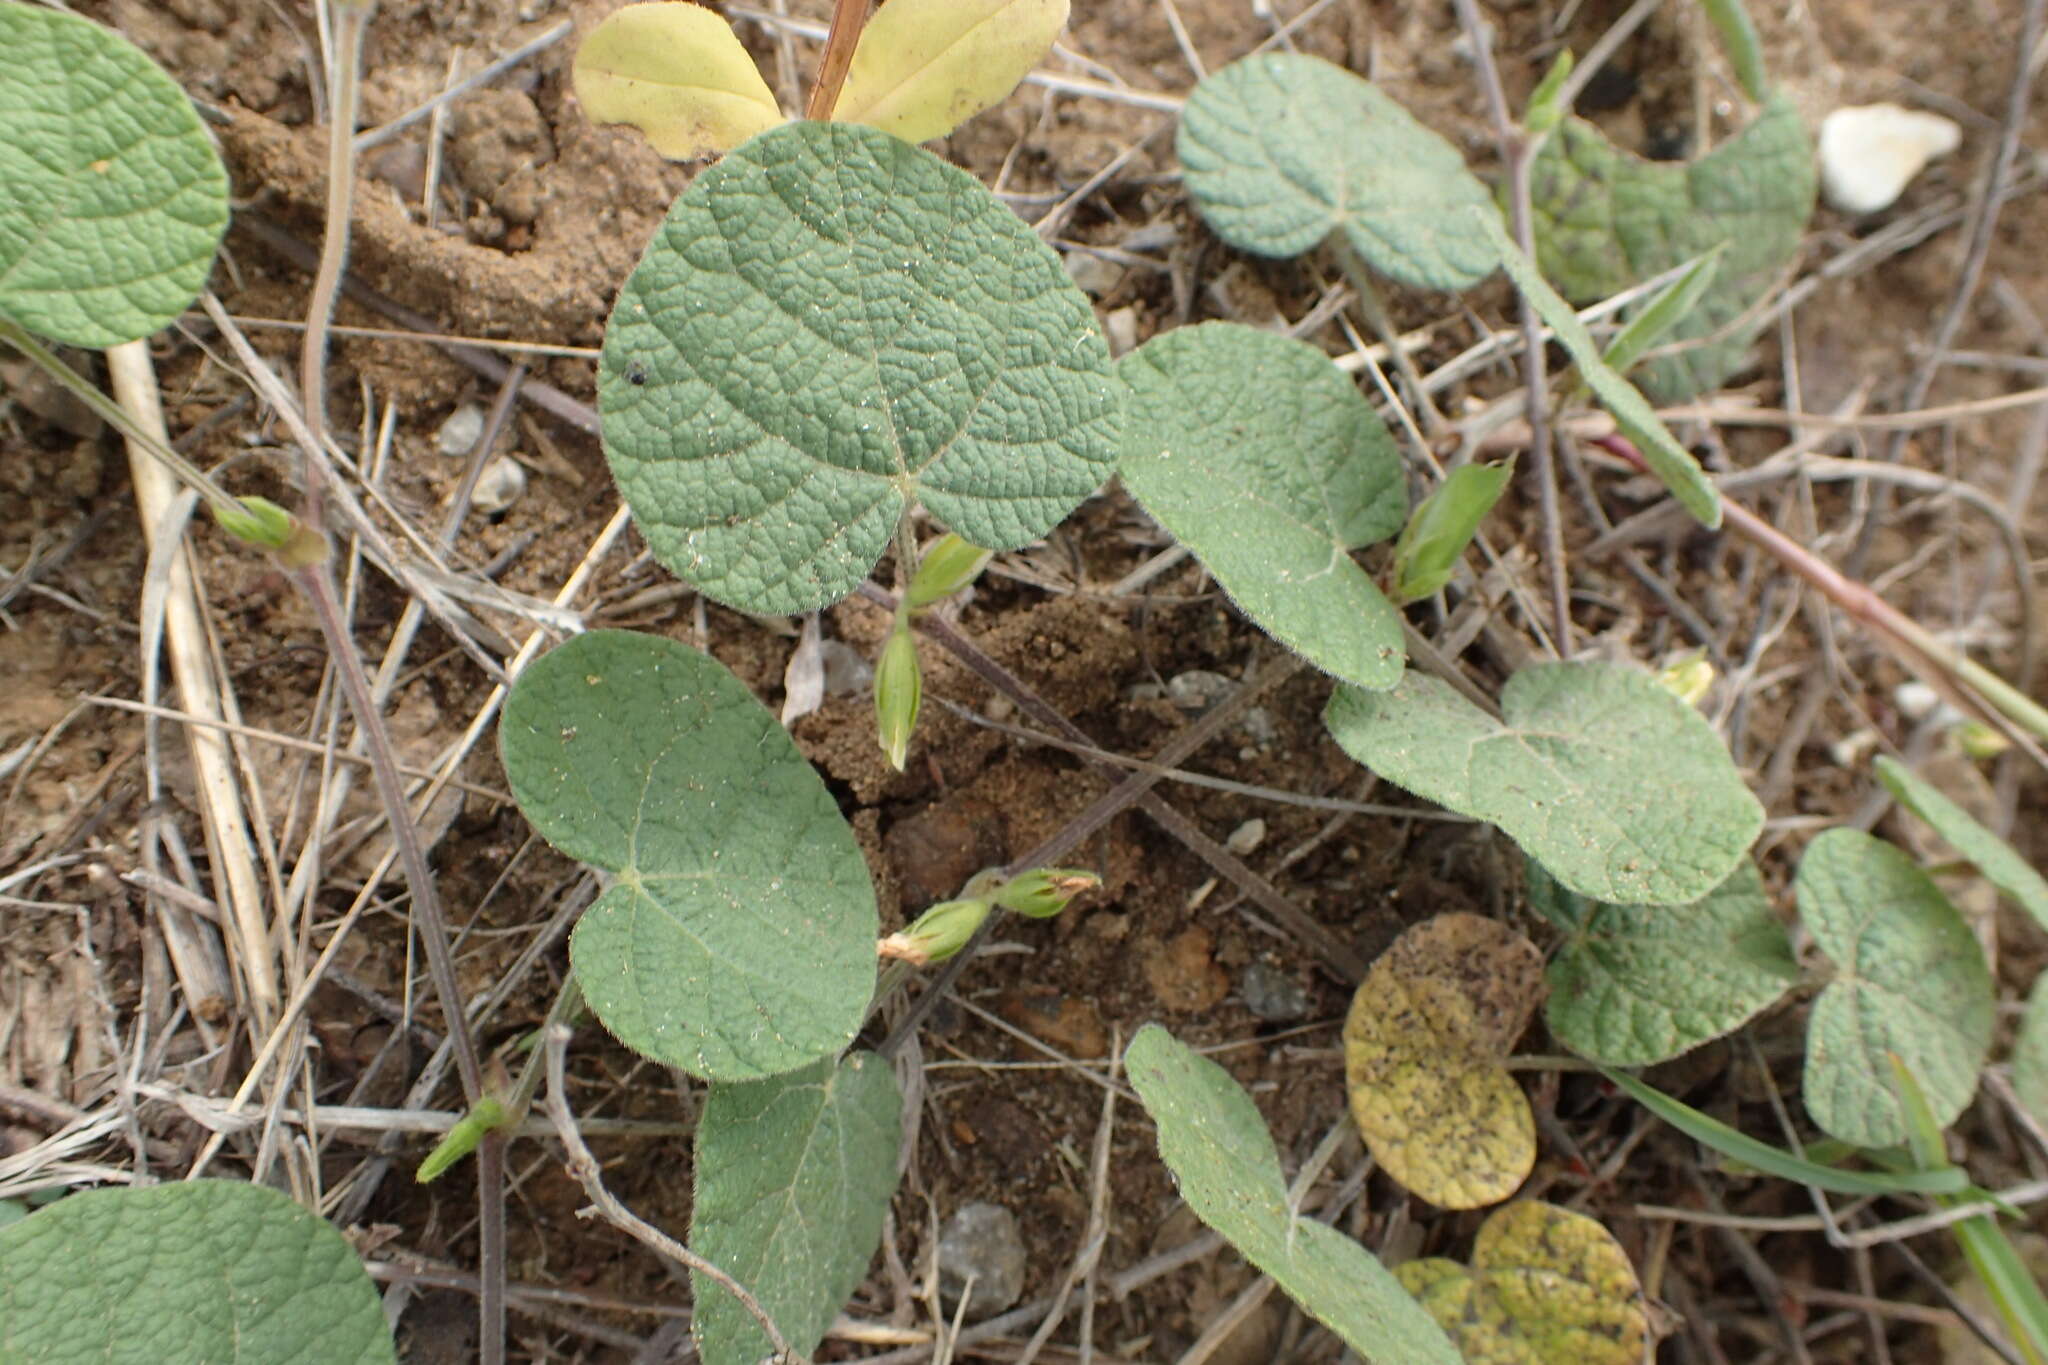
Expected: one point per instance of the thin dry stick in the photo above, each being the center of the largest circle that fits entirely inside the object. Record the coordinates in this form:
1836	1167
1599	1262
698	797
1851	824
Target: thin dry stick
585	1168
1517	150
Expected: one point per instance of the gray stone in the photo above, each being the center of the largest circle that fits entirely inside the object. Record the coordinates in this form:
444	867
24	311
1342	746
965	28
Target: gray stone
1272	994
460	433
982	1243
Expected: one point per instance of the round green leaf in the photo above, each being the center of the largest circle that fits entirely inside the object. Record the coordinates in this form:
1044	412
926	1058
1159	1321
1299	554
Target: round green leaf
200	1272
793	1176
1622	791
115	198
1262	457
830	325
1909	978
1606	220
1282	150
1212	1138
1632	985
738	939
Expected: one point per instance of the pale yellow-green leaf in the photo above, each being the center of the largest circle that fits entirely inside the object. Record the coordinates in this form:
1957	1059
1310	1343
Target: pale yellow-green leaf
1546	1287
924	67
1423	1047
677	72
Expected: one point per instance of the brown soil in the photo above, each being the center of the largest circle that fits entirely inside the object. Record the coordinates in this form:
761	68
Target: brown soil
542	216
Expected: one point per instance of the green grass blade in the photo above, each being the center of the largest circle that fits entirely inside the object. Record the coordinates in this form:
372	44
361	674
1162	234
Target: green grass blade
1762	1156
1738	35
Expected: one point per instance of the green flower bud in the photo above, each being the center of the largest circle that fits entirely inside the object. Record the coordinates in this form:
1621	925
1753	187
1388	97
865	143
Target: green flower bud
948	566
1689	678
938	933
261	522
1979	741
899	688
1044	891
463	1138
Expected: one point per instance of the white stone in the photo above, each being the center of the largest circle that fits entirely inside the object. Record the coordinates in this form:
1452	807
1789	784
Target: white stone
498	486
460	433
1869	153
1247	837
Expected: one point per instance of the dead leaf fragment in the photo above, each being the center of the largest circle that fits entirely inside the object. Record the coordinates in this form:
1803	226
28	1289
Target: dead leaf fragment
1423	1047
1546	1287
678	73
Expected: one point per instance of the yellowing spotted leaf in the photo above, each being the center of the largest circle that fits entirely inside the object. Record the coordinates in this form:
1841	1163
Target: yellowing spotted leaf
1423	1047
1546	1287
924	67
677	72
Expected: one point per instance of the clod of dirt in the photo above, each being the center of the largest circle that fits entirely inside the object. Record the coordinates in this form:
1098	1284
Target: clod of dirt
981	1256
499	133
935	851
1065	1022
1183	974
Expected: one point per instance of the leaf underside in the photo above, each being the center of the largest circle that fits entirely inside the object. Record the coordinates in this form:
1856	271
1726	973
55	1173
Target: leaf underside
829	326
1213	1140
1282	150
1263	458
1910	979
737	939
793	1176
115	197
1623	793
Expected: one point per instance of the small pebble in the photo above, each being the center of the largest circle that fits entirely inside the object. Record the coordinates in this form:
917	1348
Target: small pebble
981	1242
1198	689
498	486
1272	994
1260	727
1870	153
1120	327
1247	837
1092	274
460	433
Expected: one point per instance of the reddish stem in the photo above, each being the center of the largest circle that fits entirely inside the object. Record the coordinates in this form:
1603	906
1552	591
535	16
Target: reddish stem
849	17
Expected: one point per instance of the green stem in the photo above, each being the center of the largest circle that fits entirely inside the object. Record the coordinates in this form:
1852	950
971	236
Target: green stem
105	408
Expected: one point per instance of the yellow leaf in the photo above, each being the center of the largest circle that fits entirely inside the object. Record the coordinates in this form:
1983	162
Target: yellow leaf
924	67
1547	1287
1423	1047
677	72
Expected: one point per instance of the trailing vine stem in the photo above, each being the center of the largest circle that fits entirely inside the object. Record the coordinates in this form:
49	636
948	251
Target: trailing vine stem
349	21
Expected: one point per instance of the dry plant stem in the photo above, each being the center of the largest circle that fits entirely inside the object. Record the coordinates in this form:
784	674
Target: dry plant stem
1911	642
584	1167
849	17
226	823
1517	150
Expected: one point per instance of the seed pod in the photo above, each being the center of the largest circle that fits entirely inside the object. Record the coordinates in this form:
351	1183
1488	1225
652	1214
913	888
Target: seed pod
938	933
899	689
1044	891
